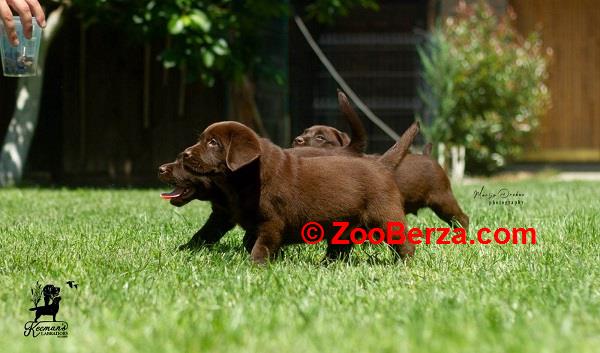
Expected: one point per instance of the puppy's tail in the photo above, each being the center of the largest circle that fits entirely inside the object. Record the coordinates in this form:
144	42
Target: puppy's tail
392	157
358	136
427	149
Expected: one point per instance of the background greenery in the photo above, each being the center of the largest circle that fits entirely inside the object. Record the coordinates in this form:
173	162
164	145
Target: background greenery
208	38
484	86
138	294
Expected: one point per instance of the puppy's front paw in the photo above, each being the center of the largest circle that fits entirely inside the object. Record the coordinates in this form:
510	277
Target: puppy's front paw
186	246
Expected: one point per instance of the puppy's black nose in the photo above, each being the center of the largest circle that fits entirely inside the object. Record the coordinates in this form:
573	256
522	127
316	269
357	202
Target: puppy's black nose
187	154
162	169
299	140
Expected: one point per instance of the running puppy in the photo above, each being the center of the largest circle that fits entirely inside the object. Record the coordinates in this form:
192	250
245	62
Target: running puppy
277	192
421	180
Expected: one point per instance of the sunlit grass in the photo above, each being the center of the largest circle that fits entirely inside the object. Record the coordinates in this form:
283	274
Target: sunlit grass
137	293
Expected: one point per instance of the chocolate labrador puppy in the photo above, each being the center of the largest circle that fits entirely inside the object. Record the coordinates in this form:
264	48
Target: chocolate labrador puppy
421	180
276	192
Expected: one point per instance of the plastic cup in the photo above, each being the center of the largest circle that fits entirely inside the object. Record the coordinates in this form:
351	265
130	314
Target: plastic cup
22	60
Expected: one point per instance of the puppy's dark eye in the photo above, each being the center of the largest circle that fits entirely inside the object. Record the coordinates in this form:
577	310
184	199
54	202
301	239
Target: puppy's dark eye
320	138
213	143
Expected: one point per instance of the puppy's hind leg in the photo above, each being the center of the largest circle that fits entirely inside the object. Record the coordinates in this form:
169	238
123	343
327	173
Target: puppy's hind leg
446	207
395	235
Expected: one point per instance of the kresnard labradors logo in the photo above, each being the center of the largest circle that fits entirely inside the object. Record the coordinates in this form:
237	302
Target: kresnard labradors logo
51	307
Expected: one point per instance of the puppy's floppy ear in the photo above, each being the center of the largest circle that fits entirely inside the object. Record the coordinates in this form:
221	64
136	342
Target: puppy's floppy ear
342	137
243	148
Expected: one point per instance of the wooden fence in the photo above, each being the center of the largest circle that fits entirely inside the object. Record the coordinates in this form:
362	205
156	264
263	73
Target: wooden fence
571	130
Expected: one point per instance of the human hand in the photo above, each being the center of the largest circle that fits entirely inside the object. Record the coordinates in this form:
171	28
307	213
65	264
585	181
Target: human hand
26	10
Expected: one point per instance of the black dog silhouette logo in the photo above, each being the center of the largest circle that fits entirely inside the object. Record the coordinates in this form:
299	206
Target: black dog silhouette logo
52	298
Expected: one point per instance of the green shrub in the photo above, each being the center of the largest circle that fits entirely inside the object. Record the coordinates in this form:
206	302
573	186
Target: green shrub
484	86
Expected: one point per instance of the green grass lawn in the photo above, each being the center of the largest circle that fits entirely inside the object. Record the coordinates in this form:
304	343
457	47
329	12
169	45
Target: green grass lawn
137	293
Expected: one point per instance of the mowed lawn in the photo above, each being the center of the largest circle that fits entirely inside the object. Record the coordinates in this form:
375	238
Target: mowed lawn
137	293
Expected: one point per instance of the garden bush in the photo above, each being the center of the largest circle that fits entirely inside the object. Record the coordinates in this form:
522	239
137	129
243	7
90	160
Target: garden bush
484	86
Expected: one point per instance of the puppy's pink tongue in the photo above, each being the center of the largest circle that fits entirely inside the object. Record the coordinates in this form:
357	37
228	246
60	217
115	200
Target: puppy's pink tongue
173	194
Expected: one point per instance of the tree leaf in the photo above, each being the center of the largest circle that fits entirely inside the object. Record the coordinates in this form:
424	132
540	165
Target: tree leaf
208	58
200	19
176	25
221	48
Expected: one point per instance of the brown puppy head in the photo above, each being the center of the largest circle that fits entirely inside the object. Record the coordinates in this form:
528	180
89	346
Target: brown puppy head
186	187
321	136
223	147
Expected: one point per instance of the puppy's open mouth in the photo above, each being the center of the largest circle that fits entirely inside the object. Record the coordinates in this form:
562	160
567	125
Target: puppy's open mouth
180	193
